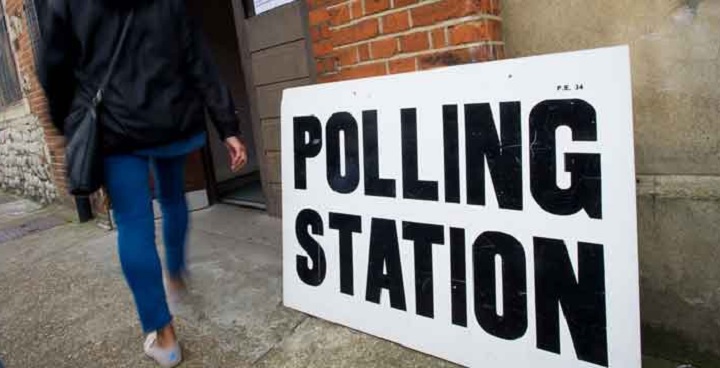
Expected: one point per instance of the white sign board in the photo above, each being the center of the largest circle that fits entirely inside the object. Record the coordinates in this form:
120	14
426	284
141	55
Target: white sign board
262	6
484	214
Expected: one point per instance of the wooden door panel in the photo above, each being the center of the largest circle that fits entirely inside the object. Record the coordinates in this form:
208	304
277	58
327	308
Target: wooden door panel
280	63
278	26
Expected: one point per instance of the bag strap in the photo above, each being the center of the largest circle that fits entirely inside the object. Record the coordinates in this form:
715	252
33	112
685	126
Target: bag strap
116	54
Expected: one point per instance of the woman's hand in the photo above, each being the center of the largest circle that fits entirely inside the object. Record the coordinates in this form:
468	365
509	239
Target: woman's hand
238	153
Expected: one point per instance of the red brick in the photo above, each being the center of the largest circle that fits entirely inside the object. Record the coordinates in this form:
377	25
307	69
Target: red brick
473	7
384	48
364	71
55	153
396	22
326	65
402	65
414	42
37	99
448	9
25	59
320	32
48	130
438	38
26	52
356	9
322	48
313	4
348	56
445	58
486	30
364	52
376	6
357	32
490	6
339	15
486	53
318	16
39	109
36	94
56	140
327	78
55	145
499	52
432	13
40	101
401	3
38	104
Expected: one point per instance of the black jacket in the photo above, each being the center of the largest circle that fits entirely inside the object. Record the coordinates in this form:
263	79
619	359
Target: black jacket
163	81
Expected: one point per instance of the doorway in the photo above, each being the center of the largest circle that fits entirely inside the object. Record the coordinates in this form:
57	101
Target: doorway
216	21
261	48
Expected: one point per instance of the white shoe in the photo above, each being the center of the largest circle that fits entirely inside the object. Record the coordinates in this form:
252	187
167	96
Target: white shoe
165	357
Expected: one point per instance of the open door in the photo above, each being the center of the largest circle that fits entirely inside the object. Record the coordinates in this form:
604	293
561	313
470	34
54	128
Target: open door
261	48
277	55
216	21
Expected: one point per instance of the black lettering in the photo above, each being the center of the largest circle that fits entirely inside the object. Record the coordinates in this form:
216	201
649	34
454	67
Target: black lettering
413	188
312	275
346	225
342	122
585	191
504	156
374	185
452	154
305	149
582	299
458	285
512	324
423	237
384	254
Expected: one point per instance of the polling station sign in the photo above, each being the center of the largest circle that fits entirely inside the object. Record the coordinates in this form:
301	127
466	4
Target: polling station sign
484	214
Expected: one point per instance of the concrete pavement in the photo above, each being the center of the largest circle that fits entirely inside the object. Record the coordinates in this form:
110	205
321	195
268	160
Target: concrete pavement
64	303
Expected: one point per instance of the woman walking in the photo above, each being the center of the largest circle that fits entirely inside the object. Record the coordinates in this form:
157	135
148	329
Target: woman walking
152	116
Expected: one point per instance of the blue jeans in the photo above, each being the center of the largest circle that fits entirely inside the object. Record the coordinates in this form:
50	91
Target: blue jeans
127	181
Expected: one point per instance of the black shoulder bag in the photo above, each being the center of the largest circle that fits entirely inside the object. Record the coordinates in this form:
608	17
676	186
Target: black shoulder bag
83	153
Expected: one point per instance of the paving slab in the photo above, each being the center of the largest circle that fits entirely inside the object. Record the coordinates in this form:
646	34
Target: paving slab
15	209
321	344
5	198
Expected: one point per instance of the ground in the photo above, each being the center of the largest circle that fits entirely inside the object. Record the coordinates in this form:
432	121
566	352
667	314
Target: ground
64	303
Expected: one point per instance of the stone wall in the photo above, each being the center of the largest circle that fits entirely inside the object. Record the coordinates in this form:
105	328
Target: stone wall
675	52
24	159
27	135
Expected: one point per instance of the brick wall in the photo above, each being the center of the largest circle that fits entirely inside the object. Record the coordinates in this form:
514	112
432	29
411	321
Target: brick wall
362	38
31	167
24	53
